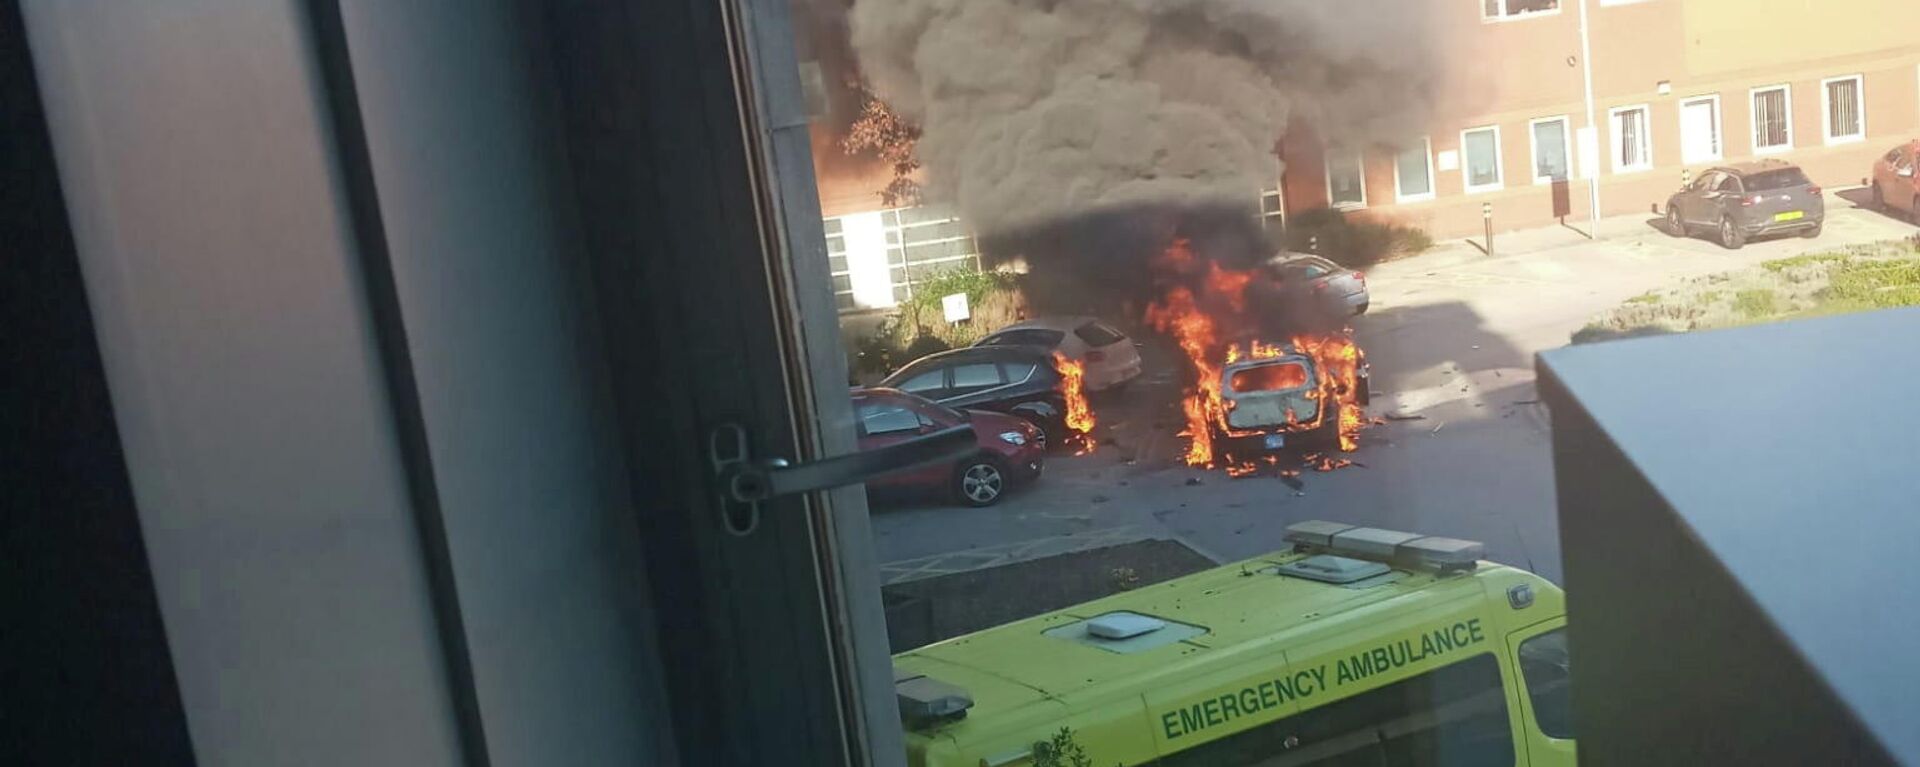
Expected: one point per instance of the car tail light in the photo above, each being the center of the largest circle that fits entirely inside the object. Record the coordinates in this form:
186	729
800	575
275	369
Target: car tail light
1361	276
1319	286
1750	201
1813	190
1096	356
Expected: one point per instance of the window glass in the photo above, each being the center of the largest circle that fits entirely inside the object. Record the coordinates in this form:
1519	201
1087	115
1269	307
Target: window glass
976	375
1494	9
929	381
1017	372
1481	148
1772	119
1549	677
888	418
1726	183
1456	715
1551	161
1784	178
1632	145
1413	171
1845	112
1346	182
1278	377
1097	335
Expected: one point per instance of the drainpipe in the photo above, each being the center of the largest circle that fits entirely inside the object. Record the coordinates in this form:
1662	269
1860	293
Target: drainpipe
1593	174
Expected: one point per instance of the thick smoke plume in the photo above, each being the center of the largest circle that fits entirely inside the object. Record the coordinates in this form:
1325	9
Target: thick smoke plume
1038	112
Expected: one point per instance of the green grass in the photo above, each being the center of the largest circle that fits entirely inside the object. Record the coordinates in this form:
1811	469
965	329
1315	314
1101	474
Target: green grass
1645	298
1756	303
1810	259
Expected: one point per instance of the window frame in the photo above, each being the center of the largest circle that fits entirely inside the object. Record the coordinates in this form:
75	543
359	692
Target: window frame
1826	109
1616	136
1719	130
1466	162
1753	117
1566	148
1506	16
1359	163
1399	186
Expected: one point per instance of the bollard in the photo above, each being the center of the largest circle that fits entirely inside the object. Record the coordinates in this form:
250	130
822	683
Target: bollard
1686	178
1486	214
1313	244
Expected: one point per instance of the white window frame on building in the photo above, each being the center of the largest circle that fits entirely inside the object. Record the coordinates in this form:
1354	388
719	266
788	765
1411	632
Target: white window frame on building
1273	211
1753	112
1466	162
1616	139
1859	107
1719	137
1503	10
1566	147
1399	185
1334	157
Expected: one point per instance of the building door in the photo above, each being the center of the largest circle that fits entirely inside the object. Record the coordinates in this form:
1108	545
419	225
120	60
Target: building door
1699	131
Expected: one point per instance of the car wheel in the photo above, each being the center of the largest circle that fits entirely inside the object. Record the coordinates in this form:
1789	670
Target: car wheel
1879	198
1731	237
980	481
1675	227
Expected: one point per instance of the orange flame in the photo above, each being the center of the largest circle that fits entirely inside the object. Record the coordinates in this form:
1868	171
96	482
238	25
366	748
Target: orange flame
1180	314
1079	413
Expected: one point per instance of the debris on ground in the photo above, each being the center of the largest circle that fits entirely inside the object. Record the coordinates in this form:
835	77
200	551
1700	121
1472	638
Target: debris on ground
1101	499
1290	480
1436	429
1406	417
1193	482
1528	402
1108	441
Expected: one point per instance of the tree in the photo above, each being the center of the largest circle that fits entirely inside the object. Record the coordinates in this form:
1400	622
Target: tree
889	136
1061	751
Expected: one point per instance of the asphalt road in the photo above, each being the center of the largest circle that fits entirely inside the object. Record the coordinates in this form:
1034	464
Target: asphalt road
1451	340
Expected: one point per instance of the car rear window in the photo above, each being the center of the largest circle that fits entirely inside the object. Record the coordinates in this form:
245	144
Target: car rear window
1275	377
1097	335
1776	179
1025	337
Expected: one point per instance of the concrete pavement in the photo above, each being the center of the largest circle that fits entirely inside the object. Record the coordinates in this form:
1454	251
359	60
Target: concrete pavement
1451	341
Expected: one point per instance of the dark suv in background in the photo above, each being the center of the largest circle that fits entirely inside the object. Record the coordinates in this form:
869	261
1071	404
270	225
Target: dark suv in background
1740	202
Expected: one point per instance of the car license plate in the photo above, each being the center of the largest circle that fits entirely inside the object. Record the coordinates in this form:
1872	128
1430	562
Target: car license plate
1792	215
1276	441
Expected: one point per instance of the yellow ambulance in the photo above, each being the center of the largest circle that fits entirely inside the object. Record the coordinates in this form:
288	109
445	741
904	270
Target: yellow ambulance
1358	646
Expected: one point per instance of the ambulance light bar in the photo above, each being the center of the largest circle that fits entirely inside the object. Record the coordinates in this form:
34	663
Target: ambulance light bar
1408	550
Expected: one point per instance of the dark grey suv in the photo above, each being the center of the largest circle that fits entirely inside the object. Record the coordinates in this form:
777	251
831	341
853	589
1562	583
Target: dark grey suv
1740	202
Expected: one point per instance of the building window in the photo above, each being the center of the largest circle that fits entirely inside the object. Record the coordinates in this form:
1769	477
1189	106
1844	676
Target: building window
1552	161
1413	172
1495	10
1273	215
1346	180
1480	150
1772	119
1700	130
1632	142
1843	109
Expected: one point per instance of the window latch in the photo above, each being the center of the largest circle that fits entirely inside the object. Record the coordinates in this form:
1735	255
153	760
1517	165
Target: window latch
744	481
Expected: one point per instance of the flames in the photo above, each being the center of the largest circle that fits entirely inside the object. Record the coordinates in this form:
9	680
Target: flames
1195	321
1079	418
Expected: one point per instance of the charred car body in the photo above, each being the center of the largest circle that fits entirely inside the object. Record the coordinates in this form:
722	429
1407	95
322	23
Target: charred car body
1280	396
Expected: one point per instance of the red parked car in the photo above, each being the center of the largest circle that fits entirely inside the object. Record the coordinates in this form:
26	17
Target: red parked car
1896	181
1011	449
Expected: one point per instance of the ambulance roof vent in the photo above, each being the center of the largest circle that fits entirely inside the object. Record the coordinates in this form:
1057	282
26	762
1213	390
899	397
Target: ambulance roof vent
1123	625
1328	568
1125	632
1409	550
925	700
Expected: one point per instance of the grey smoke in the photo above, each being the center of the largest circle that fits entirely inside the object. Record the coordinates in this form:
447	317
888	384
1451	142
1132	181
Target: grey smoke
1040	110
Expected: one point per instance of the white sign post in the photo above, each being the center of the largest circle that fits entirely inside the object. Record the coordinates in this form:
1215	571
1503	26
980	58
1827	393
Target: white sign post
956	307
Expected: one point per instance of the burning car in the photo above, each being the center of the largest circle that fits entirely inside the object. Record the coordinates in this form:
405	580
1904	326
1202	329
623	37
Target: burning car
1276	396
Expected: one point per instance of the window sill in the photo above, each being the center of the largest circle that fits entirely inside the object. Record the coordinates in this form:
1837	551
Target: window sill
1486	189
1837	141
1628	170
1411	199
1782	149
1348	207
1548	181
1512	17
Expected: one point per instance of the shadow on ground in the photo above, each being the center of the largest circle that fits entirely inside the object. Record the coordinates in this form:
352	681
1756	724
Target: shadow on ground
1863	199
1416	362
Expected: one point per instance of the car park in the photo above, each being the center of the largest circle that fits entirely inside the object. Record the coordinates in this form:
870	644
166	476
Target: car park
1895	186
1017	380
1740	202
1110	357
1010	450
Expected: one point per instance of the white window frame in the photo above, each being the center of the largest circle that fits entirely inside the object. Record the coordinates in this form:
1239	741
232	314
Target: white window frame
1566	144
1826	109
1505	16
1359	161
1399	194
1646	141
1604	3
1719	130
1753	118
1499	162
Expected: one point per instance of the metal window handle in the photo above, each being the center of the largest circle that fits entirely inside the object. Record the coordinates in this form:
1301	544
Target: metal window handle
744	481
